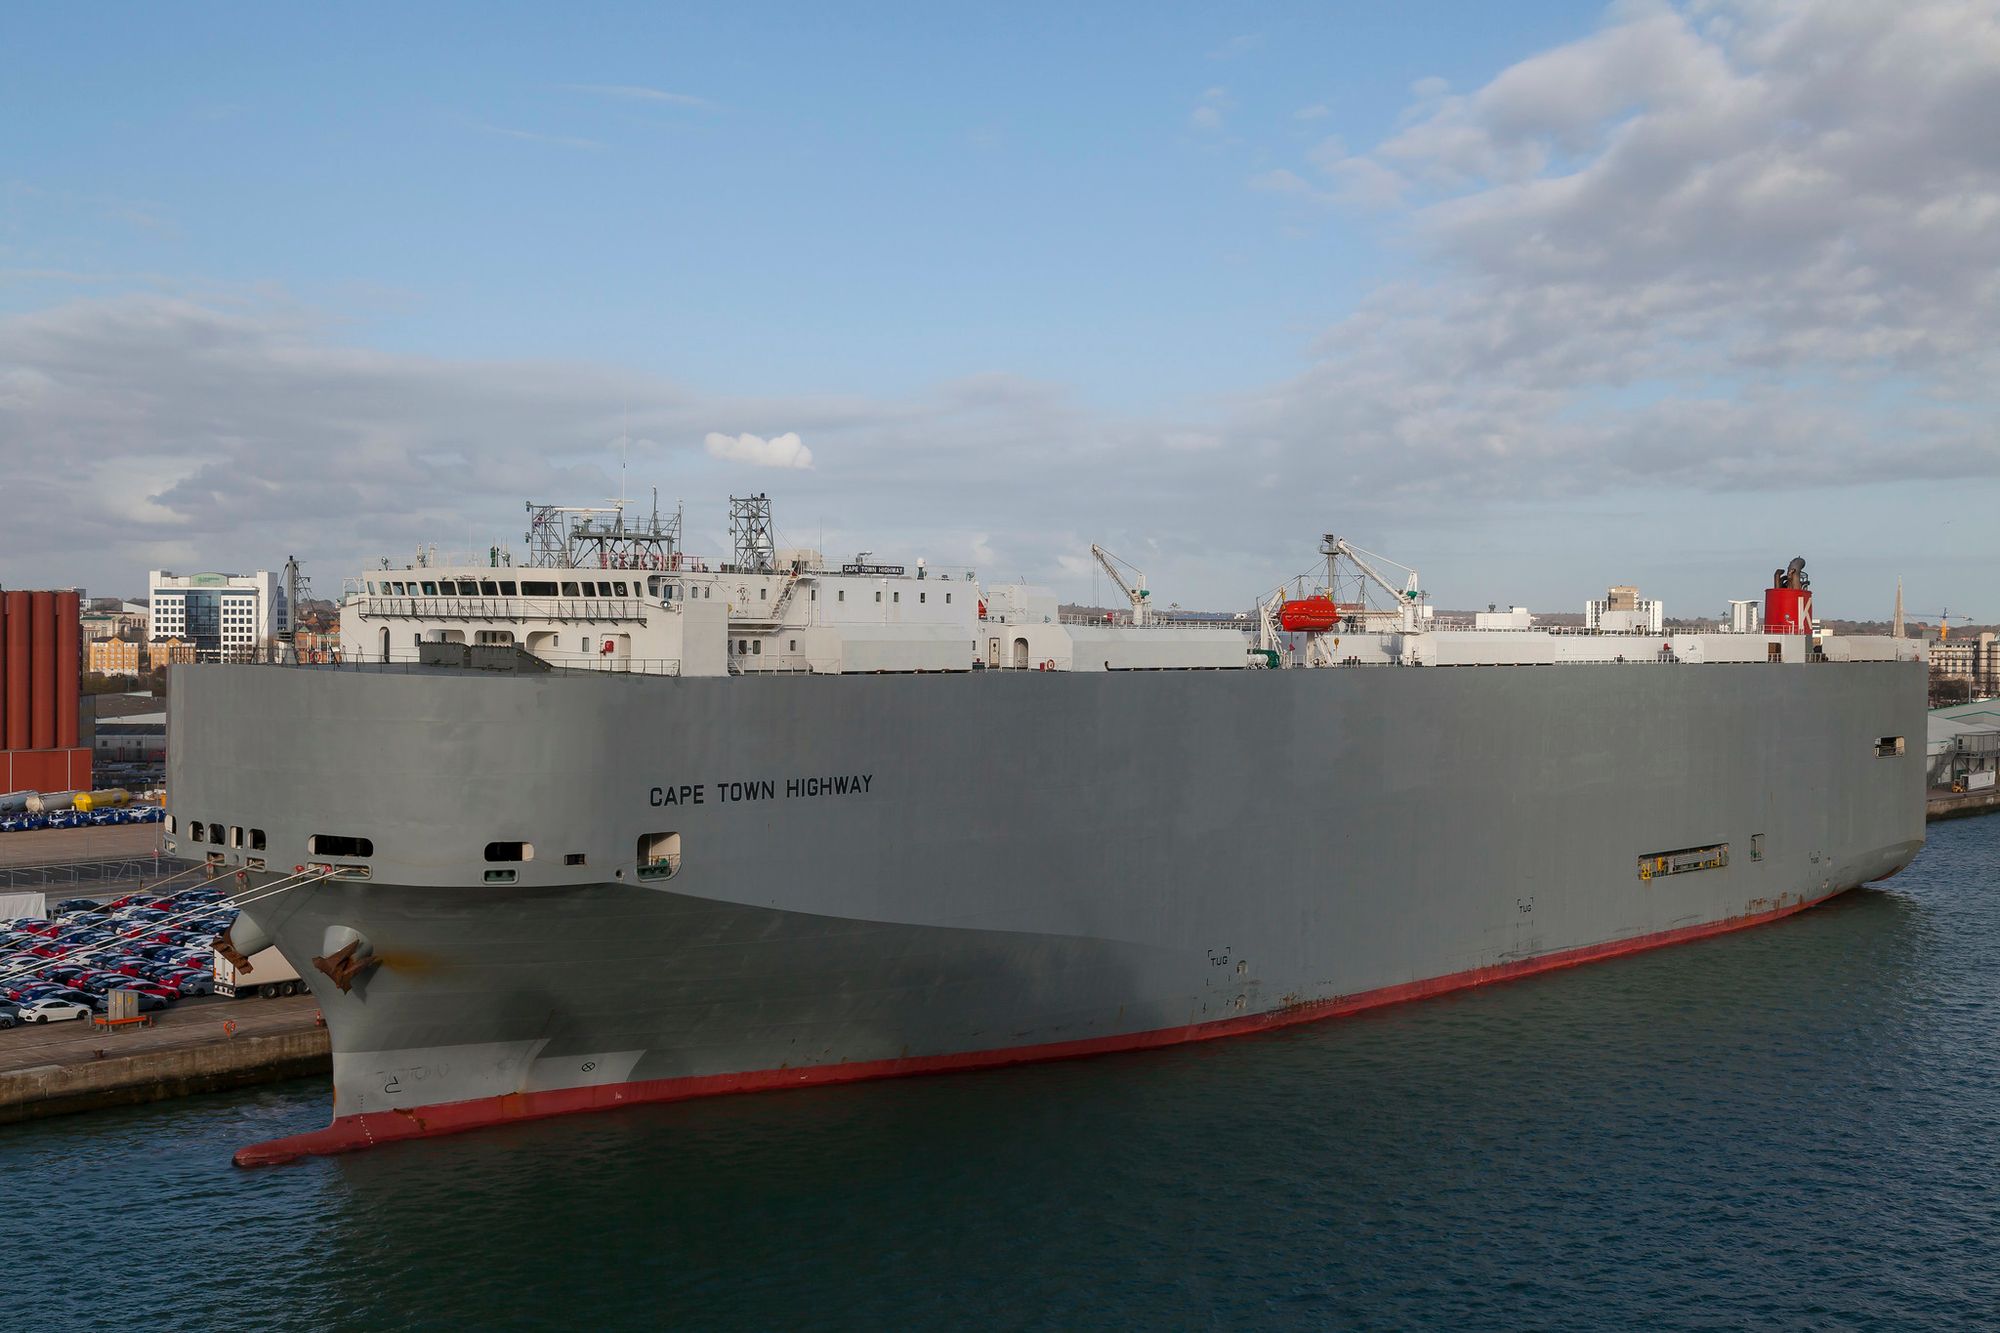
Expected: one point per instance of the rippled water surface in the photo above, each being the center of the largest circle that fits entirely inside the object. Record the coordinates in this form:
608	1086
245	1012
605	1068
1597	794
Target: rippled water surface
1795	1125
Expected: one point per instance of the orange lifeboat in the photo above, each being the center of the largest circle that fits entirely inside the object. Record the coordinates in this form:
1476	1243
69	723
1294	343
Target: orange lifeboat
1313	615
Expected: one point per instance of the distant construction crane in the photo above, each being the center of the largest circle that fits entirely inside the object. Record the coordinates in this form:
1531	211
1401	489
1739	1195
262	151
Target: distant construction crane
1943	618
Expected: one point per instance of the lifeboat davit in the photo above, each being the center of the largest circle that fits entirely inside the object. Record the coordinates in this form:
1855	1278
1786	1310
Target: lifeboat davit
1313	615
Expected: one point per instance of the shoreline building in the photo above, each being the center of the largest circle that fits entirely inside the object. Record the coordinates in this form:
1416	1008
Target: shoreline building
1975	661
45	742
221	617
1623	611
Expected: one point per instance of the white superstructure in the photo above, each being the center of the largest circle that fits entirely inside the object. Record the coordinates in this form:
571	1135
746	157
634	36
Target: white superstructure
613	596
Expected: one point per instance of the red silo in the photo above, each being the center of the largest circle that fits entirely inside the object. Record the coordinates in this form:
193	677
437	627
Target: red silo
19	622
42	679
69	665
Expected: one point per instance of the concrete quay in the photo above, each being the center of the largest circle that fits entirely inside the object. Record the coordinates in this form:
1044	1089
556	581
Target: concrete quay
57	1068
1957	805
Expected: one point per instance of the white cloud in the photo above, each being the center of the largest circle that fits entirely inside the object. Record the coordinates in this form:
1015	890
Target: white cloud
1208	112
784	451
1665	254
534	136
627	92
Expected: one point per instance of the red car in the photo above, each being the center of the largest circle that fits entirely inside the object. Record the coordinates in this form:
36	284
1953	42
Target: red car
49	951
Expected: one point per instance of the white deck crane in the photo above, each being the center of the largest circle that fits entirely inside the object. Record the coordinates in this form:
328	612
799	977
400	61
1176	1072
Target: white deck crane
1407	598
1135	592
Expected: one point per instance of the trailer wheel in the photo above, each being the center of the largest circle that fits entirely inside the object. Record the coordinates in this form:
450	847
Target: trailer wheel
291	988
267	991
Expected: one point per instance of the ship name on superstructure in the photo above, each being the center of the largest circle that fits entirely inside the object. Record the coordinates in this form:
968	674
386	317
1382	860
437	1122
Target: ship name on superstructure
762	789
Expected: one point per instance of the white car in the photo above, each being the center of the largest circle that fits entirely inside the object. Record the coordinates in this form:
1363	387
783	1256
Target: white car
53	1011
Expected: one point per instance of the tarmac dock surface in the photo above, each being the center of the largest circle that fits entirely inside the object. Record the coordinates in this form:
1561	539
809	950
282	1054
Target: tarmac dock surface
56	1068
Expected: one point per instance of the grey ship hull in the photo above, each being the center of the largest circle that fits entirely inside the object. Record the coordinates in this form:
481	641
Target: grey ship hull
939	871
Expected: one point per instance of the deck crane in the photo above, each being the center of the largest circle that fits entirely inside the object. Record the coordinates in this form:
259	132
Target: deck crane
1406	597
1135	592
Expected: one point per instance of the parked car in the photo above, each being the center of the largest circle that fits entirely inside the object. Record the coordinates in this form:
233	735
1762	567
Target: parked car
53	1010
194	983
69	905
10	1016
147	1003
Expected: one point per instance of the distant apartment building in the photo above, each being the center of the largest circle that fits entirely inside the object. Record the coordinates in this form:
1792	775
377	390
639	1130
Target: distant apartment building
1623	611
1974	660
222	617
169	652
113	657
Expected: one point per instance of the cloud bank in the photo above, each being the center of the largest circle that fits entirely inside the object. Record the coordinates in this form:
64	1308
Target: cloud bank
1710	252
780	451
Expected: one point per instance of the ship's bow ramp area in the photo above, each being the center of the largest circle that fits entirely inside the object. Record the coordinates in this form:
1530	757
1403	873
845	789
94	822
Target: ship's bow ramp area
682	877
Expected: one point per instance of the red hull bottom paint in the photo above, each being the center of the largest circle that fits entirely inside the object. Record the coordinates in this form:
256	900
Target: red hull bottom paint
350	1133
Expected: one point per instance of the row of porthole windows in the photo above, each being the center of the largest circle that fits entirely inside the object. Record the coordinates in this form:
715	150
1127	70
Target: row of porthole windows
659	854
236	835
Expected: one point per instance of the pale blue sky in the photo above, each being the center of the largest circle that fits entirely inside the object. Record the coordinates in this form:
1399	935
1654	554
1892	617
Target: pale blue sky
1389	266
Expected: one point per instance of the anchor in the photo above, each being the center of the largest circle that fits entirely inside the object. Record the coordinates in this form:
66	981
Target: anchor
343	966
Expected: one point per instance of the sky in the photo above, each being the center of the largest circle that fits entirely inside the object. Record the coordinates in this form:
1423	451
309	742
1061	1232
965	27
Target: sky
1535	297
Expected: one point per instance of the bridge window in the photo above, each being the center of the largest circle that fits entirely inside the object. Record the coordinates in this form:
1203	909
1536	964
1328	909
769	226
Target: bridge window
339	844
569	590
506	587
537	588
510	851
621	588
430	588
489	587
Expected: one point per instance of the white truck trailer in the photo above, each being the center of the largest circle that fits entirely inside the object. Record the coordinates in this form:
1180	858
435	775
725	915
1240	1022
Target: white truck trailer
268	976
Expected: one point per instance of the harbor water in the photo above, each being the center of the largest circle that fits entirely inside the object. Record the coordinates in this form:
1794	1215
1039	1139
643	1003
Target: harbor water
1797	1125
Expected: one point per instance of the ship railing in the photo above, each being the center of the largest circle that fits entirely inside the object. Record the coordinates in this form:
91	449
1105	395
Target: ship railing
406	661
1154	622
378	606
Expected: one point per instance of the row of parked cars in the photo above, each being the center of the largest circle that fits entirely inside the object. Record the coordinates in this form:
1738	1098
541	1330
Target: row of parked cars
21	821
66	966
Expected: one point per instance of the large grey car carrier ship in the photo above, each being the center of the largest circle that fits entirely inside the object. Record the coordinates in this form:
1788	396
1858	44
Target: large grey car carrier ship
616	824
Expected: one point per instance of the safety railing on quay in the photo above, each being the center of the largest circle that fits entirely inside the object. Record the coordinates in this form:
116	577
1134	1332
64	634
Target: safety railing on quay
79	874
